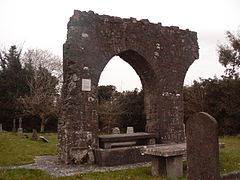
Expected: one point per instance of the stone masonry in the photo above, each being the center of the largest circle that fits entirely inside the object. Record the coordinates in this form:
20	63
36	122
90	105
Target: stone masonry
160	56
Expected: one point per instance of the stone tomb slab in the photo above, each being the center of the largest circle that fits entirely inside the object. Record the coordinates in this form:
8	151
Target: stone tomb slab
120	156
166	159
141	138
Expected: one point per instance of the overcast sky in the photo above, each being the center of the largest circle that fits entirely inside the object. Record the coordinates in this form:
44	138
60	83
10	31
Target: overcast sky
43	24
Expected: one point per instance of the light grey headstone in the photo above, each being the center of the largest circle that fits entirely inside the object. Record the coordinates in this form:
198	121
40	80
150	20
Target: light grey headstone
20	129
20	123
91	158
130	130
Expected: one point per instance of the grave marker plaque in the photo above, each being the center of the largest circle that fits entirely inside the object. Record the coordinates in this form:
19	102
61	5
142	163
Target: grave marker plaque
86	84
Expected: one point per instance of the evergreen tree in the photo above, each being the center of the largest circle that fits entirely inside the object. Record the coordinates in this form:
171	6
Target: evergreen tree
29	87
13	85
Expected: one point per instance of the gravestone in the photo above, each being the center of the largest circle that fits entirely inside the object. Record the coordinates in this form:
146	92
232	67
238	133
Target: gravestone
43	139
130	130
25	136
1	128
14	126
202	147
34	135
115	130
20	129
91	158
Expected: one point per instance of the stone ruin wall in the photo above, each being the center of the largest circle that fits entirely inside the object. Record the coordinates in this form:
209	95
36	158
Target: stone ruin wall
160	56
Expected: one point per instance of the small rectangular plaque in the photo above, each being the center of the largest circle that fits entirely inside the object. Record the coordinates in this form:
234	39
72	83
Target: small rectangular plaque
86	84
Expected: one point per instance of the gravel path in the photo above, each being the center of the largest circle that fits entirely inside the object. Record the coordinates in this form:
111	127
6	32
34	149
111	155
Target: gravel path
51	166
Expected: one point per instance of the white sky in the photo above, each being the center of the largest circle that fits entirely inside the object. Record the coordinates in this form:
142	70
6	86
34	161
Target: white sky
43	24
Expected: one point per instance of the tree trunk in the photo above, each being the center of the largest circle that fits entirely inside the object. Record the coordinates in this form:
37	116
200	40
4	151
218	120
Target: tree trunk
42	127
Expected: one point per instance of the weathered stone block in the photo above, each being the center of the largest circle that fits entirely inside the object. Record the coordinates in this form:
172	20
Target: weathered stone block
166	159
167	166
120	156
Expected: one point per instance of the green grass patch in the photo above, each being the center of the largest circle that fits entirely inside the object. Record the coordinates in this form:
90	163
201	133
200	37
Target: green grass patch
23	174
16	150
230	155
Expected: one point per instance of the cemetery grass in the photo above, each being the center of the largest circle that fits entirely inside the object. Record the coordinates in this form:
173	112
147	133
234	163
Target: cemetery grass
230	155
16	150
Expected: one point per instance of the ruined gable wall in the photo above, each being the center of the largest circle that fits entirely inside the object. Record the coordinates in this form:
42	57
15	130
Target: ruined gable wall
160	56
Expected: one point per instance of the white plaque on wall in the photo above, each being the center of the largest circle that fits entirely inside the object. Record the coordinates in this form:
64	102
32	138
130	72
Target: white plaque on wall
86	84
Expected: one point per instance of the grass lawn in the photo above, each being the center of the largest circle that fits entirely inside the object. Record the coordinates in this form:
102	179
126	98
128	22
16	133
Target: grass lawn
230	155
15	150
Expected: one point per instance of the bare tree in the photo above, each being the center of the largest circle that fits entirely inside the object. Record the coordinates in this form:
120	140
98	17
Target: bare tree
38	58
109	113
44	85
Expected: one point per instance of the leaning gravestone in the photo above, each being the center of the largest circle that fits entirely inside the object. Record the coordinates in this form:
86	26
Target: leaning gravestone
43	139
202	147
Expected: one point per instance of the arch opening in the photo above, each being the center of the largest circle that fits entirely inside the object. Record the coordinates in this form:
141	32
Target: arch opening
120	74
121	98
141	66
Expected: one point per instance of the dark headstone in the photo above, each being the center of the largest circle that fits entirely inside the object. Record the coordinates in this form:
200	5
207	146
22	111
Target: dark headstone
202	147
34	135
1	128
14	126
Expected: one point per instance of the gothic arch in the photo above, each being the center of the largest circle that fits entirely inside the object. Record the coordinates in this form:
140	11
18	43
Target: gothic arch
160	55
